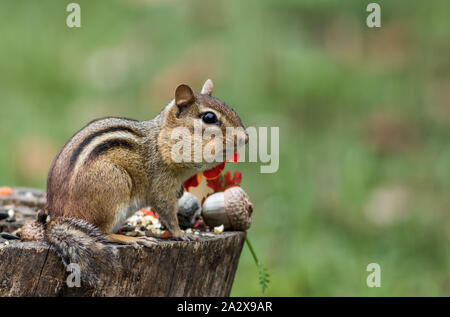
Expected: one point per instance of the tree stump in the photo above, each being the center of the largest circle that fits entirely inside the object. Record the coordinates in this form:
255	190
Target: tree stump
169	268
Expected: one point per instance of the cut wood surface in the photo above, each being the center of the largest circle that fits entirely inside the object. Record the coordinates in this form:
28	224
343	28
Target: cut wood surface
169	268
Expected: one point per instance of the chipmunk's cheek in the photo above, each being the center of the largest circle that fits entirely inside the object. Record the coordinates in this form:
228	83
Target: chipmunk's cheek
240	140
229	144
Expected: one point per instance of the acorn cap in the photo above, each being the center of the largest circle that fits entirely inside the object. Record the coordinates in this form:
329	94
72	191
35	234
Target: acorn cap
231	208
31	231
238	207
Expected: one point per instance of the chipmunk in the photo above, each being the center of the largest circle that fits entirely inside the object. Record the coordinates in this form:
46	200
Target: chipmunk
115	166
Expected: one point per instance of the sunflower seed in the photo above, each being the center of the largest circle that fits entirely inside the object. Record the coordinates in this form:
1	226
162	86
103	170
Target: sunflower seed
9	236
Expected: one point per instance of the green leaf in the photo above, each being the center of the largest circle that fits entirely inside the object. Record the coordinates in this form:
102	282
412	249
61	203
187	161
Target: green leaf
263	273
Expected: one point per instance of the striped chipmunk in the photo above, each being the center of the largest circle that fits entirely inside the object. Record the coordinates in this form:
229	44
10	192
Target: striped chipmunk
114	166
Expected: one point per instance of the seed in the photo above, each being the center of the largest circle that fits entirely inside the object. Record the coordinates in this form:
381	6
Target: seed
3	215
9	236
218	229
11	213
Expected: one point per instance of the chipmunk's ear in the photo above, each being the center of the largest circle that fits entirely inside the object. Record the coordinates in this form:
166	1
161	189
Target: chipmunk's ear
184	96
208	87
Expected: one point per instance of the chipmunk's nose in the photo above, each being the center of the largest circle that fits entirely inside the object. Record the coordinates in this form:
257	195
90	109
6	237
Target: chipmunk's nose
246	137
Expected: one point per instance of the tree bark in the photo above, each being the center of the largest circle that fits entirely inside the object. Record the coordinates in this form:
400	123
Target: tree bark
169	268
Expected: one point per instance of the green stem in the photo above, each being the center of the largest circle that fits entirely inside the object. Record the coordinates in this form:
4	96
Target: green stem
252	251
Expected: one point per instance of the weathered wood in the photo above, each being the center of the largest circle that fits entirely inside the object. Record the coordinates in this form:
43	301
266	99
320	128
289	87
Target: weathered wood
170	268
25	197
25	202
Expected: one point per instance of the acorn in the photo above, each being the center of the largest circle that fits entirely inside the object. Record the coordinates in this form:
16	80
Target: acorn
31	231
189	210
230	208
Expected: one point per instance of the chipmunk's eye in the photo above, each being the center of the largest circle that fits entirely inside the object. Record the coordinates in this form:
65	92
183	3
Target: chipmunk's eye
209	118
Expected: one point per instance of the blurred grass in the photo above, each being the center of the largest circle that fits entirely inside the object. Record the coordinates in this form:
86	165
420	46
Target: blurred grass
364	117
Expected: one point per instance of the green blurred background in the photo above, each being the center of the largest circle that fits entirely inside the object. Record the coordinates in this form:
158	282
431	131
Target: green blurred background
364	117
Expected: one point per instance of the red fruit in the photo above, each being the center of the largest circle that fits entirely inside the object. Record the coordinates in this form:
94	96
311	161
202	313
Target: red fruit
166	235
5	191
237	178
214	172
194	181
234	158
149	212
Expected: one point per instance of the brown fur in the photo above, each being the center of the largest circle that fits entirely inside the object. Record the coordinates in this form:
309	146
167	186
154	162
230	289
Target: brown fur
114	166
77	241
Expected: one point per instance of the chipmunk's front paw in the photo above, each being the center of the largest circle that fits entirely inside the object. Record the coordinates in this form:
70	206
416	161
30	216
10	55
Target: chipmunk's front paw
146	241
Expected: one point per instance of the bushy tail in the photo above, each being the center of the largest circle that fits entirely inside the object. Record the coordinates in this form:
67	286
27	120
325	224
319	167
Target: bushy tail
78	242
